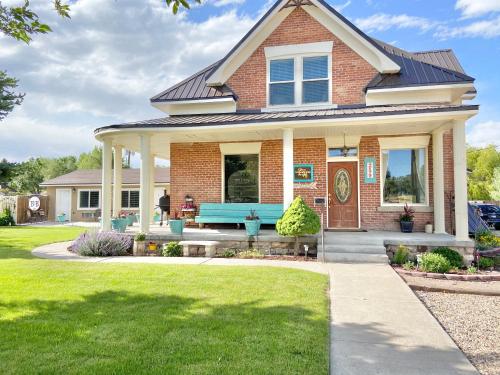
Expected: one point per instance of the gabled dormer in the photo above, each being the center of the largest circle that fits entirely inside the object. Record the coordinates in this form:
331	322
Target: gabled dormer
304	55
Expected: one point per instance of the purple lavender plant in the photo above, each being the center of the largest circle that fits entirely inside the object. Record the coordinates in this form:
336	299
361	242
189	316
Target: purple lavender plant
102	244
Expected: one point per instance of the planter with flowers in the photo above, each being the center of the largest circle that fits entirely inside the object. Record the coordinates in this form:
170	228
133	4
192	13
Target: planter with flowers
252	224
406	219
176	223
119	224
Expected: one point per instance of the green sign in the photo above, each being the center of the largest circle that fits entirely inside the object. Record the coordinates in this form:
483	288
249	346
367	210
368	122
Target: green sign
370	171
303	173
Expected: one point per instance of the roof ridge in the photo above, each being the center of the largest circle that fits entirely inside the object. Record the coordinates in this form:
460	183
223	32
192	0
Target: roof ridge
433	51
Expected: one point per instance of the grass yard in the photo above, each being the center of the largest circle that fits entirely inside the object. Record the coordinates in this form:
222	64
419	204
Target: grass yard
86	318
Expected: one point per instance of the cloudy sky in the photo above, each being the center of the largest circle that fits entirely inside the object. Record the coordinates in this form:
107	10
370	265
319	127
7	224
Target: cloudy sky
103	65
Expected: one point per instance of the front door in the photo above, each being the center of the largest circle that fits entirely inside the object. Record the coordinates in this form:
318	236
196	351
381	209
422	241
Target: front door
343	194
63	203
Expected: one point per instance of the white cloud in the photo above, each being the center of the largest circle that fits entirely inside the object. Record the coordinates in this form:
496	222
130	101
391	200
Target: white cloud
484	134
481	29
221	3
383	22
341	7
475	8
102	67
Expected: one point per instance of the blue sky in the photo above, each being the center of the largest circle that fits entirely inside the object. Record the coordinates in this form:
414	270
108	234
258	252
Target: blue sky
102	66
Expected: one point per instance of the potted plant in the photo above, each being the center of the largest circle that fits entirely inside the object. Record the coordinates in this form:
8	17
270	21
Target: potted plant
61	218
156	217
176	223
119	224
406	219
252	224
140	244
130	218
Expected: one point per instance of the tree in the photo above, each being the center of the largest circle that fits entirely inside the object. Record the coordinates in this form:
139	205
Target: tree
495	191
90	160
8	98
482	163
55	167
28	176
7	170
297	221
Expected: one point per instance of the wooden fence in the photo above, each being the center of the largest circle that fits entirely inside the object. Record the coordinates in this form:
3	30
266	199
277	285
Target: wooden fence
18	206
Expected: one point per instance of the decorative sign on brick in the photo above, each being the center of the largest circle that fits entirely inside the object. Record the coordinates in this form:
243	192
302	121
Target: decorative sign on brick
370	170
303	173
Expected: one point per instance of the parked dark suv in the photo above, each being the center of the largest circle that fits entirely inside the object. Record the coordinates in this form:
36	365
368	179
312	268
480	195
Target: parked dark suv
490	214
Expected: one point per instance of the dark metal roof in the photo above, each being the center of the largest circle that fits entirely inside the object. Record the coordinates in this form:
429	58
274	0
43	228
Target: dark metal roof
421	69
93	177
185	121
194	88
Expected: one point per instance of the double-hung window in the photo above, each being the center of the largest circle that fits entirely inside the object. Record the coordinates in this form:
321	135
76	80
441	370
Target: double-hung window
130	198
88	199
299	80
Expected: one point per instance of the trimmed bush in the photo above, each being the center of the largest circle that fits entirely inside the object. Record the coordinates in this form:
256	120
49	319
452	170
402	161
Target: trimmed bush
172	249
6	218
102	244
485	263
228	253
298	220
401	256
434	263
454	257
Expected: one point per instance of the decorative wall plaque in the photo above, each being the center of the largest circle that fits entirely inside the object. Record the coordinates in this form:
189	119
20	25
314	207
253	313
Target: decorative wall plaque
303	173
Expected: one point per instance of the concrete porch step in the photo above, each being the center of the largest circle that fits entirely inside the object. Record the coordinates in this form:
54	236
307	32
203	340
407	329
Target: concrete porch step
351	249
353	239
356	258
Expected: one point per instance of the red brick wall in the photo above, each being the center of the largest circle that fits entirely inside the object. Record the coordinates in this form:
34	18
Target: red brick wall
350	72
311	151
271	172
370	199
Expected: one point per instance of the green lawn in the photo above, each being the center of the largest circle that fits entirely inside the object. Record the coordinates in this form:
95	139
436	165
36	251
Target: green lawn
88	318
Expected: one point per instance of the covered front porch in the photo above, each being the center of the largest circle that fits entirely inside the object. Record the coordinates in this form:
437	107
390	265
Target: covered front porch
199	144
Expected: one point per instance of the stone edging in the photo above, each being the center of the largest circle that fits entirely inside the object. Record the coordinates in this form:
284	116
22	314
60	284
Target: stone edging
449	276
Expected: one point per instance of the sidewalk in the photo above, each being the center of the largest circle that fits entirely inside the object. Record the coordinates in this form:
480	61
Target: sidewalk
378	326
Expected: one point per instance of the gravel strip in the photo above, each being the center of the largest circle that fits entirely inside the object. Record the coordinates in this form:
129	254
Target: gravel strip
473	321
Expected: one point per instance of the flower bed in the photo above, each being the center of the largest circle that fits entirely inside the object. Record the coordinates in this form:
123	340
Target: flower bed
459	275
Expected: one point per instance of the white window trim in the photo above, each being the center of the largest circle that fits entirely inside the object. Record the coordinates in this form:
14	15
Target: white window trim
128	207
80	208
298	52
404	143
246	148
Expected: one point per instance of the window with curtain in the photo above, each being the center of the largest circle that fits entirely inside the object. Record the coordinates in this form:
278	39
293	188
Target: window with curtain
315	79
403	176
130	198
282	82
241	178
88	199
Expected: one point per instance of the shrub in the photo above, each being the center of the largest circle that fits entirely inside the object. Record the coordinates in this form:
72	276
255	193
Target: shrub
249	254
298	220
471	270
486	239
409	265
6	218
228	253
102	244
401	256
140	237
454	257
485	263
172	249
435	263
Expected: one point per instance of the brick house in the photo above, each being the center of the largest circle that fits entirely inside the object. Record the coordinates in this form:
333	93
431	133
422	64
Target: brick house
307	104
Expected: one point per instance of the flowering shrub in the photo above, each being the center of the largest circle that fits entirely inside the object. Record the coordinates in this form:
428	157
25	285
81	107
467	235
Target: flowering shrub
102	244
486	239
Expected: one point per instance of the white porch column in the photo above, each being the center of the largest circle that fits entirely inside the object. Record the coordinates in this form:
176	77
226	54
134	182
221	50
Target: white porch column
145	206
460	174
438	175
106	184
287	167
152	202
117	181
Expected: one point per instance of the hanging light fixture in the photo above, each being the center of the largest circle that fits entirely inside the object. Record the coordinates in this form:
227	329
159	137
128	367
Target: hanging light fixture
345	149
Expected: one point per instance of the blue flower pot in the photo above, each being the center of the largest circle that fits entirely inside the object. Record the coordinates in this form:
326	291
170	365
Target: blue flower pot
176	226
119	225
130	220
406	226
61	218
252	227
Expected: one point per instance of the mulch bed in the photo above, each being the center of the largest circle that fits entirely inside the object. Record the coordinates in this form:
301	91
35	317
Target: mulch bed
481	276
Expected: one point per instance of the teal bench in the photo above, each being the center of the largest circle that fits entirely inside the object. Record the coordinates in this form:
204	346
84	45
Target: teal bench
235	213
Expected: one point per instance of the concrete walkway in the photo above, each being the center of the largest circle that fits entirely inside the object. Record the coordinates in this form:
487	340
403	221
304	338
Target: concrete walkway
378	326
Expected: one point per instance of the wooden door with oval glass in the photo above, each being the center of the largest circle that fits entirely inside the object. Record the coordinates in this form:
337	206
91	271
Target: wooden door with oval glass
343	195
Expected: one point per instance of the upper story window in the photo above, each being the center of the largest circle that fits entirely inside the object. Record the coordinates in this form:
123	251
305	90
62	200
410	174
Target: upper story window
299	80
